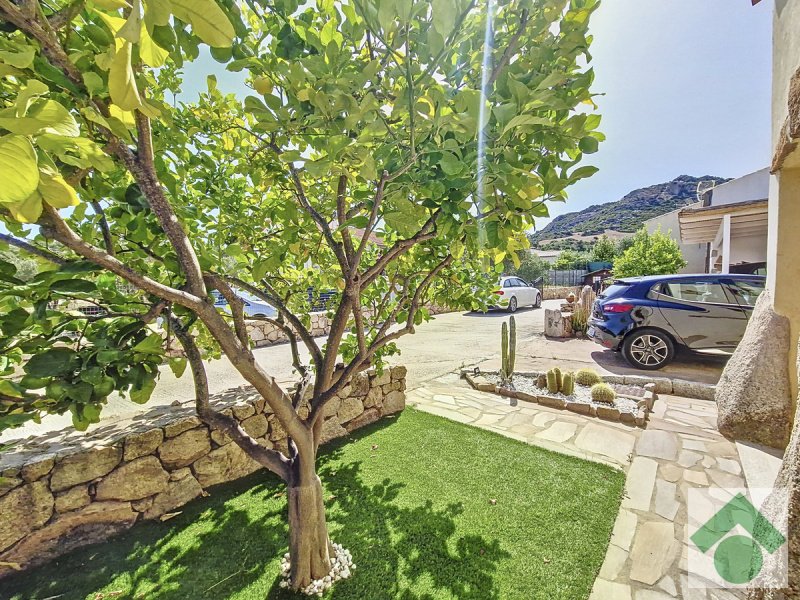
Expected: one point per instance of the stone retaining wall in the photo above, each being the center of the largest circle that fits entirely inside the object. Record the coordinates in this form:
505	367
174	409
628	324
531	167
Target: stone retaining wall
264	333
68	489
558	293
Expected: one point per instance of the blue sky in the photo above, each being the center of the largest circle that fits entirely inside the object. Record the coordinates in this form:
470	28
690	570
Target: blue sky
686	90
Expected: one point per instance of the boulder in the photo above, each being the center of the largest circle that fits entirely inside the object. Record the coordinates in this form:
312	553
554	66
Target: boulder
753	397
243	410
73	499
557	324
84	466
181	425
89	525
393	402
399	372
373	398
331	429
177	494
360	384
142	444
349	409
38	469
223	464
276	430
184	449
256	426
365	418
135	480
382	378
23	510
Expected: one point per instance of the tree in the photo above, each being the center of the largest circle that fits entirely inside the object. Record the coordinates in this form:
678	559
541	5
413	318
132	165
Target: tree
367	119
530	268
569	259
649	254
604	250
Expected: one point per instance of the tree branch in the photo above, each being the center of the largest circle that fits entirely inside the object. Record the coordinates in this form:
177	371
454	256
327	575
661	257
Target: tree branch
271	459
237	308
510	49
31	249
108	241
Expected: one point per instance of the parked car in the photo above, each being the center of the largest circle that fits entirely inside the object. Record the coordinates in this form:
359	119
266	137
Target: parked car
514	292
253	307
648	318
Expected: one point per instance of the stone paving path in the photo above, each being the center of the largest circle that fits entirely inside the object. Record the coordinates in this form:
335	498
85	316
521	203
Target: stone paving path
680	449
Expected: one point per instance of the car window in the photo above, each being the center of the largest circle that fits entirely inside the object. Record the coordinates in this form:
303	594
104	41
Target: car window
747	292
696	291
507	283
615	289
520	283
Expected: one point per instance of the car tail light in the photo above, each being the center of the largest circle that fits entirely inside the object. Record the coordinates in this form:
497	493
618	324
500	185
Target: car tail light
617	307
499	292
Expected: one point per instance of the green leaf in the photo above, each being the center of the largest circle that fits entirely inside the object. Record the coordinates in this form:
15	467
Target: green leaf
150	345
208	21
18	169
52	362
22	59
56	191
583	172
27	211
73	286
521	120
158	12
178	366
121	81
33	89
588	145
450	164
444	16
55	118
142	393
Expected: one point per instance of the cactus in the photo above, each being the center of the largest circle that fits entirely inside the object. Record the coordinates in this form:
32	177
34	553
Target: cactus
541	380
557	371
508	348
552	381
602	392
587	377
567	384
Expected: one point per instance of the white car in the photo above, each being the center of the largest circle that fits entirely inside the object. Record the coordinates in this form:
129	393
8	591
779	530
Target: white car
253	307
514	292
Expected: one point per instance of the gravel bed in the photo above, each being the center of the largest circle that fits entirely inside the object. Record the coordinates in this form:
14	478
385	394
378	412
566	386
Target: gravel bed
582	394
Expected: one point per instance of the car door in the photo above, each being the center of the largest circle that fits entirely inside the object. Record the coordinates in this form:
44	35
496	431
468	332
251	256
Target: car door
701	312
524	296
746	292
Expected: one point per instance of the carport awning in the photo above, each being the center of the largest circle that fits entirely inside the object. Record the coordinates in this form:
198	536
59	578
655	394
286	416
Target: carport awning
701	225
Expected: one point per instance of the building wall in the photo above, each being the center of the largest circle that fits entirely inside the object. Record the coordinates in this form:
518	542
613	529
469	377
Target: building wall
783	267
693	254
754	186
748	249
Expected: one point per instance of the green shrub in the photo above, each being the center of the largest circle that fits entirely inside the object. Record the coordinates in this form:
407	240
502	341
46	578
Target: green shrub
587	377
602	392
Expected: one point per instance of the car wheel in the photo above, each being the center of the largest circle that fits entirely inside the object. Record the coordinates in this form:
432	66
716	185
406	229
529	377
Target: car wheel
512	305
538	303
648	349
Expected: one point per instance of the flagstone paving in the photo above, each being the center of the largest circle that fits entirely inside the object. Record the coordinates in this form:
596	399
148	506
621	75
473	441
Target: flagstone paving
680	449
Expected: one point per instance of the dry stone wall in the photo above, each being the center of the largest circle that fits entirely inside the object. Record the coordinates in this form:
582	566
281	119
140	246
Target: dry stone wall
68	489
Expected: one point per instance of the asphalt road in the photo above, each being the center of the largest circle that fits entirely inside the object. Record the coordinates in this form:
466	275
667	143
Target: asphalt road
447	343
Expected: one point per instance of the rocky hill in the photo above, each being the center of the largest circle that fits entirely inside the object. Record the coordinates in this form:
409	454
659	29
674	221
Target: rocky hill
627	214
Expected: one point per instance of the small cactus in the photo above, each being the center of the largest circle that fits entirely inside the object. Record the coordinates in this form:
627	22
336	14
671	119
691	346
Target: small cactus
602	392
567	384
557	371
552	381
541	380
508	349
587	377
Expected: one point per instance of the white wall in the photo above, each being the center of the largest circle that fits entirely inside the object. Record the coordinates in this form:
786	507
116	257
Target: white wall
754	186
750	249
693	254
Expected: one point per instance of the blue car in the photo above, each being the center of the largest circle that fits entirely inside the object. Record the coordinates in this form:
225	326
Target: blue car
649	318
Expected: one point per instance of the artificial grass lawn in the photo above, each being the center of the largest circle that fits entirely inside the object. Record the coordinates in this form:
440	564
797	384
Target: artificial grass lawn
410	497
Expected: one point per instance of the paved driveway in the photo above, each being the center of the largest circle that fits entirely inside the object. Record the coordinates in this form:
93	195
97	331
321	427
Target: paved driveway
441	346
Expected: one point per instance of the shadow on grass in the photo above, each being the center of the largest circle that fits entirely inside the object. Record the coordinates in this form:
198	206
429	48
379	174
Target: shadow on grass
229	545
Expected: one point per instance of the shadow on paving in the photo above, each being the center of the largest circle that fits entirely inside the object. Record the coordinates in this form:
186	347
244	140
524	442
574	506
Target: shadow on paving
228	545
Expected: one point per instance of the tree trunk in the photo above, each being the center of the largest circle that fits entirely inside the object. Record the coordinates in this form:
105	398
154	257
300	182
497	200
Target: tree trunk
309	547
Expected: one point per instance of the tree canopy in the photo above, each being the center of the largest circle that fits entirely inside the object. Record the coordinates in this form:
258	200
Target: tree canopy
385	146
649	254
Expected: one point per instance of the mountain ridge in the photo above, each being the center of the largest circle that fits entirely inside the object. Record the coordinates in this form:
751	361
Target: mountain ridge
627	214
